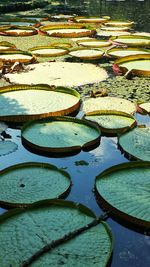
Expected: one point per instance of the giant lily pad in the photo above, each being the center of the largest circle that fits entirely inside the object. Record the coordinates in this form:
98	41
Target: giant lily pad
60	135
7	147
6	46
111	33
124	190
49	221
113	28
55	101
108	103
122	52
60	74
69	30
19	31
90	54
112	121
26	183
47	51
132	40
119	23
16	55
133	65
91	19
136	143
93	43
145	107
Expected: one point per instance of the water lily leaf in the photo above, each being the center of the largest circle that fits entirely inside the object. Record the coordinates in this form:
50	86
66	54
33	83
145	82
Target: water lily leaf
7	147
136	143
112	122
60	135
115	28
55	101
145	107
94	43
60	74
19	31
117	23
124	190
29	230
11	56
108	103
6	46
111	33
87	54
23	184
91	19
133	65
47	51
67	30
122	52
132	40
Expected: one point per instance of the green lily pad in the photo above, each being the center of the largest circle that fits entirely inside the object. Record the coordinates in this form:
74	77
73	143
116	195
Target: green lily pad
7	147
29	230
124	190
11	56
47	51
122	52
55	101
136	143
60	135
119	23
19	31
132	40
145	107
6	46
94	43
87	54
26	183
112	121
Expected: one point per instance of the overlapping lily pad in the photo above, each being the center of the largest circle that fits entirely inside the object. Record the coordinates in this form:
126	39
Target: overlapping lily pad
12	56
109	103
124	191
68	30
23	184
19	31
47	51
133	65
54	221
60	135
87	54
112	122
132	40
136	143
122	52
55	101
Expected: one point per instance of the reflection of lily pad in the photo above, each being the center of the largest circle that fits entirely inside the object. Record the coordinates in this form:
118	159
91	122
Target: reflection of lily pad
136	143
7	147
124	189
26	183
49	221
108	103
112	121
55	101
60	135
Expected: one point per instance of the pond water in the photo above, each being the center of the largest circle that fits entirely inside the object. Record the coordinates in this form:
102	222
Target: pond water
131	248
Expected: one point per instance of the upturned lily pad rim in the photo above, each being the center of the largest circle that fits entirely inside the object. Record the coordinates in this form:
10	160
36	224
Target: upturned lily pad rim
116	213
31	50
10	205
23	118
60	203
87	57
144	111
96	41
33	31
132	37
64	45
128	154
124	70
90	30
125	49
94	19
8	44
18	52
61	151
121	23
112	112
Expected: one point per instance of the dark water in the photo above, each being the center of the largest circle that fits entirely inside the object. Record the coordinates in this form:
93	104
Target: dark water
131	248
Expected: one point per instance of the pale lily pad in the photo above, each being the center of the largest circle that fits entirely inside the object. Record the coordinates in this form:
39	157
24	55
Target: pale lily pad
94	43
60	74
145	107
112	122
60	135
108	103
119	23
124	189
12	56
136	143
23	184
48	221
122	52
132	40
19	31
113	28
111	33
91	19
90	54
55	101
7	147
47	51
